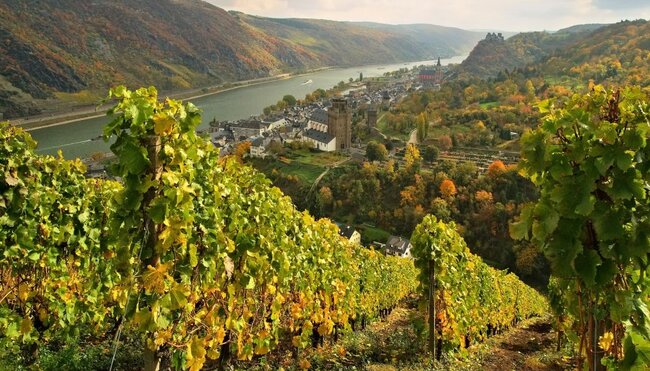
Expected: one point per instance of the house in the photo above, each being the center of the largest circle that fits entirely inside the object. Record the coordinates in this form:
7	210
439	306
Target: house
275	123
221	137
350	233
258	147
247	129
398	246
321	140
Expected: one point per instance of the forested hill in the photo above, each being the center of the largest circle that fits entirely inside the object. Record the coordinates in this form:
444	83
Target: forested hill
618	53
356	43
68	46
494	54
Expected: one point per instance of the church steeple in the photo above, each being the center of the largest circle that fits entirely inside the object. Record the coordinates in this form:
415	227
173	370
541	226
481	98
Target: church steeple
438	64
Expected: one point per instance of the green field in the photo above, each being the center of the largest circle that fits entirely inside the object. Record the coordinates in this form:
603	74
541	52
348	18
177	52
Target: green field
307	157
371	234
307	173
382	126
488	105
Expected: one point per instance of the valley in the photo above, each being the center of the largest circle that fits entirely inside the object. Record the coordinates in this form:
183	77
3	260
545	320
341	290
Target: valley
272	191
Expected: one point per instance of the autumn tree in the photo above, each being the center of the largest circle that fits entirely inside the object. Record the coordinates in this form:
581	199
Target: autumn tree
290	100
376	151
412	158
276	147
429	153
496	168
483	196
421	127
325	199
242	149
448	188
530	91
445	143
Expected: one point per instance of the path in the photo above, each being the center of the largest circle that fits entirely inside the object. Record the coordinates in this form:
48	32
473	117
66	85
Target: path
529	347
395	344
336	164
413	137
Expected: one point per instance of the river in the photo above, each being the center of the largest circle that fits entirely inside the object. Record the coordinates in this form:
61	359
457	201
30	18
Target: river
74	139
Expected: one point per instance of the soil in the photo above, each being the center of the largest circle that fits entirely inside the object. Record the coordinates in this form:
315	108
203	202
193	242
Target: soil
529	347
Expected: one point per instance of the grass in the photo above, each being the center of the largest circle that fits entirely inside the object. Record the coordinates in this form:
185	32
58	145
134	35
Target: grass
322	159
370	234
511	145
382	125
439	130
488	105
80	97
307	173
304	164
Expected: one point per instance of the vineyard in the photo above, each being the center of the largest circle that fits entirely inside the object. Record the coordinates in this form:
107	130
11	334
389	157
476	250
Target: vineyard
468	300
201	260
482	158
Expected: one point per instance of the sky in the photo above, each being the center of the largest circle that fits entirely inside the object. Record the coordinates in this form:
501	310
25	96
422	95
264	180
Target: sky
507	15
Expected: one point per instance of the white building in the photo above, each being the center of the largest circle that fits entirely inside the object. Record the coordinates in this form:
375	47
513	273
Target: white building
320	140
276	123
258	147
318	120
398	246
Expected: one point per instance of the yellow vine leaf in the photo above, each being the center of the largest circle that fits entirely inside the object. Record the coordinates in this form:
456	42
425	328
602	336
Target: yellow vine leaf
163	124
23	292
26	326
196	354
606	341
326	327
213	354
154	278
304	364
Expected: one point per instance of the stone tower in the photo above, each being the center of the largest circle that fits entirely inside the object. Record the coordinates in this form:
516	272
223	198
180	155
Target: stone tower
372	117
340	123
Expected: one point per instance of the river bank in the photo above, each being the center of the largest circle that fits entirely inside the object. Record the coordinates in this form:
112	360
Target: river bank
91	112
76	137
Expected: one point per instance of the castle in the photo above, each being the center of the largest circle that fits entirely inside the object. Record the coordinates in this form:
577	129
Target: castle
491	36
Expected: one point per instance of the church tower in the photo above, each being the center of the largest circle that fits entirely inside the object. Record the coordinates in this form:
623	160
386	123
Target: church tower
439	74
340	123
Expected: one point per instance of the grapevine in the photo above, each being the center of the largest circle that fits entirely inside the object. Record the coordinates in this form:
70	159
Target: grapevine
590	159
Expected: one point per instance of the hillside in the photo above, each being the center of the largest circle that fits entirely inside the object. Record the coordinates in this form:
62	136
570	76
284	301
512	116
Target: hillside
618	53
495	54
73	50
345	43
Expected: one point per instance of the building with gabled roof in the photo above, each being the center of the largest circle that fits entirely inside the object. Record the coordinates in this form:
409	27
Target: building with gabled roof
349	233
398	246
321	140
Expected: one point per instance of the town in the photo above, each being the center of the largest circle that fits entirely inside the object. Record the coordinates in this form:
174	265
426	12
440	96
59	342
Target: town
339	124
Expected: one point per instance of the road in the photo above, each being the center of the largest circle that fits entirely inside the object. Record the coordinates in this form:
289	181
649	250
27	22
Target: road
413	137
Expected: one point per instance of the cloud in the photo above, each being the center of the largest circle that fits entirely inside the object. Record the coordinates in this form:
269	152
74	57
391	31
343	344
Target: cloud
622	4
514	15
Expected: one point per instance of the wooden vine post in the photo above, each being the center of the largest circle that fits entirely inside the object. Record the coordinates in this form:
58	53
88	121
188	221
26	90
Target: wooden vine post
151	357
432	309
